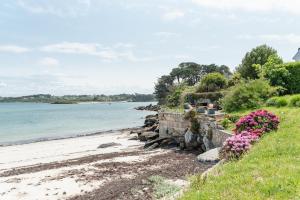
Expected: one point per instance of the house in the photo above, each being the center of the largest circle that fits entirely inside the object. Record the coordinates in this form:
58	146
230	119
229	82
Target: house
297	56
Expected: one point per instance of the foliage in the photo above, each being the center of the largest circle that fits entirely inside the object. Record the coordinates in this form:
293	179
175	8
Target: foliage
162	188
162	88
235	146
190	115
188	73
212	82
174	98
252	177
295	101
257	56
194	97
277	101
246	95
233	117
225	123
292	85
235	79
257	123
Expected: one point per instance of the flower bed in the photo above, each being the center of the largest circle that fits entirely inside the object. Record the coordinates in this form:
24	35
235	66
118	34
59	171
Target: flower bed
248	130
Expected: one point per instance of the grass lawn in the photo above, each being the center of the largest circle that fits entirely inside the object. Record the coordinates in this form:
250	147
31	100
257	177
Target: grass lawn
270	170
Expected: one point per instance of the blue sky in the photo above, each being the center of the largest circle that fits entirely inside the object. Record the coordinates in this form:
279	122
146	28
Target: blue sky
116	46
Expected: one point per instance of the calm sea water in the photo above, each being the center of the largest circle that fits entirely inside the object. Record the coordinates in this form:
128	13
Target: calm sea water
25	122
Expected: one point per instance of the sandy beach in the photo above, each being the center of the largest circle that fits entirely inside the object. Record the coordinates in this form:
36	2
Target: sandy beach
76	168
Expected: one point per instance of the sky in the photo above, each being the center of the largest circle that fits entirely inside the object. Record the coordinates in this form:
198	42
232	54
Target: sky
122	46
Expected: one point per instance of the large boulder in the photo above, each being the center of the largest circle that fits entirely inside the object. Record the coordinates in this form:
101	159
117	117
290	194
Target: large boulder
209	156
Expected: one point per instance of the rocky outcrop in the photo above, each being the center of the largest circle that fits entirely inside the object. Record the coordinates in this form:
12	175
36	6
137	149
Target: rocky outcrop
149	107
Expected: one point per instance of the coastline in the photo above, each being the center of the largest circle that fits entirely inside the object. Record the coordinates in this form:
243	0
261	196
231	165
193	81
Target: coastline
76	168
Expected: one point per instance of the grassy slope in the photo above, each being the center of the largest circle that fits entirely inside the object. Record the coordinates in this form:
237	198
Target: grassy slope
271	170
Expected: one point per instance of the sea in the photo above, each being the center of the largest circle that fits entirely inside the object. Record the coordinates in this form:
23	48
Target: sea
30	122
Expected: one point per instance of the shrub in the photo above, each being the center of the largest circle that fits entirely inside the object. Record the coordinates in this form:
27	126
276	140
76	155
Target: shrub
247	95
233	118
257	122
174	98
237	145
293	86
295	101
225	123
277	101
212	82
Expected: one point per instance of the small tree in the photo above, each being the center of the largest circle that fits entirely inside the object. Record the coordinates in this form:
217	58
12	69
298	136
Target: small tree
212	82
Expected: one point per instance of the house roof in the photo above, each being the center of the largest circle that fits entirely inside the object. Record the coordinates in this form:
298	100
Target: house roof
297	56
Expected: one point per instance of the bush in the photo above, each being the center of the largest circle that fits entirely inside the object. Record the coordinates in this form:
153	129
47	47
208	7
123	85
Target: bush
247	95
174	98
235	146
277	101
295	101
257	122
212	82
293	86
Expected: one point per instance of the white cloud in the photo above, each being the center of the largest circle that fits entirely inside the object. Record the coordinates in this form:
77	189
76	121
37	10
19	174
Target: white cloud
285	38
13	49
291	6
65	8
72	47
172	15
119	51
48	61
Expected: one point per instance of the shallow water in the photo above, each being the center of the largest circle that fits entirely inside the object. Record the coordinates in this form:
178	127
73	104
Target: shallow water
24	122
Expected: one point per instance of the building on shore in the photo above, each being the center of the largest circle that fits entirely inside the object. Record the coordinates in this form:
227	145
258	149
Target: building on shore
297	56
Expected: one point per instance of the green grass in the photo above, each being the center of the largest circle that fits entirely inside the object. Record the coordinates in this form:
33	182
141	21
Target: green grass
271	170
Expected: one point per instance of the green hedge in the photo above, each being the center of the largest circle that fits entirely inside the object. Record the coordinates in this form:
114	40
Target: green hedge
293	85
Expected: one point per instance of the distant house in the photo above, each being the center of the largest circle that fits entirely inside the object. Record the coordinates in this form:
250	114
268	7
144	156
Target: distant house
297	56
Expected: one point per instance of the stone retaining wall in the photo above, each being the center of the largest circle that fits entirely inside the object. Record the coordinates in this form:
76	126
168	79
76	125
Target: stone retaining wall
211	134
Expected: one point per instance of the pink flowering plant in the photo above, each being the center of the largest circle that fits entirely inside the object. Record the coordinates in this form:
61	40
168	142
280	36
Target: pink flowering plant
257	122
238	144
248	130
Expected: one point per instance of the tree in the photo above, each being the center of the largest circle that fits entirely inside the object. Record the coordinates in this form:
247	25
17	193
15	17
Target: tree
258	55
212	82
163	88
177	73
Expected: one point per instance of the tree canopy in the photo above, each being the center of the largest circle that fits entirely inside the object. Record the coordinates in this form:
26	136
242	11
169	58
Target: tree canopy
257	56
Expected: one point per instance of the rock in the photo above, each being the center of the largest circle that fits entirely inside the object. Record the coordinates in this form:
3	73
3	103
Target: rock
190	139
111	144
158	140
153	146
152	128
207	143
187	106
150	121
149	107
209	156
149	135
